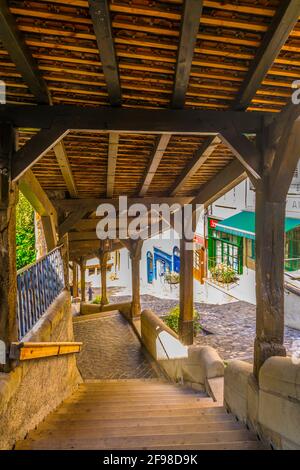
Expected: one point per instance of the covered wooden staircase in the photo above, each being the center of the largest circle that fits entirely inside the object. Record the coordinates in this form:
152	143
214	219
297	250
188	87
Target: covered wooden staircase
139	414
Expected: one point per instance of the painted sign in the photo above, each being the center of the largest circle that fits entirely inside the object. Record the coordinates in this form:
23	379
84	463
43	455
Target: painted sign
293	204
213	223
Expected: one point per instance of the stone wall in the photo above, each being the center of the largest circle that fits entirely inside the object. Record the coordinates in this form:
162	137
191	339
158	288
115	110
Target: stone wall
36	387
272	407
192	364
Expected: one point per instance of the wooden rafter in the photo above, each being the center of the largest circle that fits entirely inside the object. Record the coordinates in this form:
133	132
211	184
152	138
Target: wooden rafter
201	155
12	40
99	11
281	26
35	148
71	219
157	154
192	10
113	143
65	168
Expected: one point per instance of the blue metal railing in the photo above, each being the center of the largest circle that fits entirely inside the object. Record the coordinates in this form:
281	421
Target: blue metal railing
38	286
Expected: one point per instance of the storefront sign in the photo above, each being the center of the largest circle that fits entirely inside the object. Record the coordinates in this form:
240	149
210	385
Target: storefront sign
213	223
199	239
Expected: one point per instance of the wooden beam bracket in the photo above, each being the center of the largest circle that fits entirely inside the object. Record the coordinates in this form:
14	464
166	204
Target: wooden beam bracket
244	150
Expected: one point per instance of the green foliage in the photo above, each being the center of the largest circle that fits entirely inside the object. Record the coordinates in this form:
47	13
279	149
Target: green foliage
96	300
25	236
223	273
172	278
172	320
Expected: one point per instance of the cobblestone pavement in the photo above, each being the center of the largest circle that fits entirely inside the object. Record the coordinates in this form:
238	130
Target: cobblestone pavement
111	350
232	325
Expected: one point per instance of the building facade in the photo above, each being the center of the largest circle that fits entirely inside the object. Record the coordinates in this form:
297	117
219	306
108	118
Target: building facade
230	241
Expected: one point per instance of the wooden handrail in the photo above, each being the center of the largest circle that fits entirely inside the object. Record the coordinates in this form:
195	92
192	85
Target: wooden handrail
26	350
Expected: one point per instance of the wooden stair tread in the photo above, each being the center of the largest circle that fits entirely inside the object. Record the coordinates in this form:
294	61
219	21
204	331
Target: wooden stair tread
76	432
139	415
140	442
99	427
128	422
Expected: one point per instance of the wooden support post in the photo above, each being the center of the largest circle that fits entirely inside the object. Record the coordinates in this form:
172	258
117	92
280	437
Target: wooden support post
186	293
8	274
135	255
270	219
280	158
75	279
103	257
82	265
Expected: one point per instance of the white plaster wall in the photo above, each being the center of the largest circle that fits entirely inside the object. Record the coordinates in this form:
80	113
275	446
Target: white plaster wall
292	309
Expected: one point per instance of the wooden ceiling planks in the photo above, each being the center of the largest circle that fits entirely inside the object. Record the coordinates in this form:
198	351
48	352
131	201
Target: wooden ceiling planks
146	34
60	36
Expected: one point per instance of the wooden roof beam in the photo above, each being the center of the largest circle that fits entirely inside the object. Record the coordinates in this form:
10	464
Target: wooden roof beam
201	155
13	42
70	205
233	174
113	144
190	22
99	11
65	168
157	154
282	24
34	193
110	119
35	148
72	218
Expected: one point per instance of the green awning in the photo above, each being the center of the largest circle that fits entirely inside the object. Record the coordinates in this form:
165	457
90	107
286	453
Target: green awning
243	225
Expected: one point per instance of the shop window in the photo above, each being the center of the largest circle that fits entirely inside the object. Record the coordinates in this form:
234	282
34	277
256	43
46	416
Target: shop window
226	249
292	250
